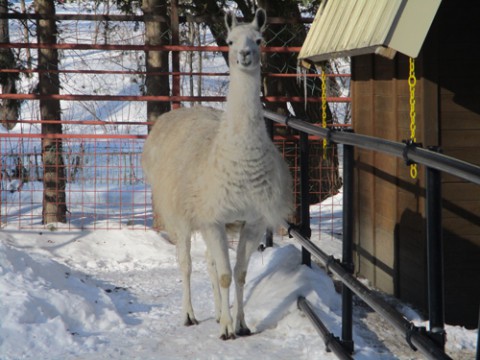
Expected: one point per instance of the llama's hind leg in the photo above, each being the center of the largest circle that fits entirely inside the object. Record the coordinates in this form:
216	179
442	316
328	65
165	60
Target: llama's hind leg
216	239
250	238
185	264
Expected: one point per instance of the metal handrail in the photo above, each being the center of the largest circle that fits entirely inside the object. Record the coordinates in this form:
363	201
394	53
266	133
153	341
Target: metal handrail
432	159
332	342
414	335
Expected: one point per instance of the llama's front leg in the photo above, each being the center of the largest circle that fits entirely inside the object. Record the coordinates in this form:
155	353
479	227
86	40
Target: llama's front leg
250	238
216	240
212	271
185	264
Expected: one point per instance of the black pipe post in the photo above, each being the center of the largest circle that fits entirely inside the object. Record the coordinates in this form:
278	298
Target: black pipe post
477	357
332	342
436	307
347	245
269	238
270	130
416	337
304	196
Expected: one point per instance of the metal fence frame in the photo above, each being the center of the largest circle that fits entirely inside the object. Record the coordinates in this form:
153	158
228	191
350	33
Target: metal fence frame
79	137
431	342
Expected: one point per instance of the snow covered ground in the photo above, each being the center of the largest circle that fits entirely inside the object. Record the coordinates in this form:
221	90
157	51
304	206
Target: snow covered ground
116	295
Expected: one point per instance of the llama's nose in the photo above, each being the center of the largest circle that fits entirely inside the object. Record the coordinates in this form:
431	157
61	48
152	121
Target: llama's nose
245	52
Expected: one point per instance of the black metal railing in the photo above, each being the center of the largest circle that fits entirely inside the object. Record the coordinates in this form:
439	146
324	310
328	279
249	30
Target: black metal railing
432	342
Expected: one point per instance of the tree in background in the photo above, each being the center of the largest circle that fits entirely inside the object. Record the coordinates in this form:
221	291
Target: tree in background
291	34
156	62
157	80
156	33
54	181
9	108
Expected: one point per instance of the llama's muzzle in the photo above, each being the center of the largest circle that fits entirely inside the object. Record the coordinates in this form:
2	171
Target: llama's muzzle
244	58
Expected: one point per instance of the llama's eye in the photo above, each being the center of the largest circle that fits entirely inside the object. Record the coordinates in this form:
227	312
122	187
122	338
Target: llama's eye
259	41
230	42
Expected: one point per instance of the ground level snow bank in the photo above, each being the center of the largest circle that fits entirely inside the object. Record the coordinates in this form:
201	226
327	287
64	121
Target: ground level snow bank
116	294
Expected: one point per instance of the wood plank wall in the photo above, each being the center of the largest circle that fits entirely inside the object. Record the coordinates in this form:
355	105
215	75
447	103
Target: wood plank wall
389	205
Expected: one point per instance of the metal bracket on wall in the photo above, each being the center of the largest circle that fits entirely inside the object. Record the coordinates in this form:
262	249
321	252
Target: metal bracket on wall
410	145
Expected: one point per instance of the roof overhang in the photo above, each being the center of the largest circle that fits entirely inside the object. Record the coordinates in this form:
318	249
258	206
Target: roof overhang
354	27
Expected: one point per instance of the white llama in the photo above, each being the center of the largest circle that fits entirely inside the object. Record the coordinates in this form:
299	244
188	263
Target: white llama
208	168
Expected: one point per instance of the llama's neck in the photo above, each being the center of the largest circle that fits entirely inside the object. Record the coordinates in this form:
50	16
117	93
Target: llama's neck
244	112
241	153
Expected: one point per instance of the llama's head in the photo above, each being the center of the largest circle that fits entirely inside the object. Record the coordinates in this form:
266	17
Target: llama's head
244	41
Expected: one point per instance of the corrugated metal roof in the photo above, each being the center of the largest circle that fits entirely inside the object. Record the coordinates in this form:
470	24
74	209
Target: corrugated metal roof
354	27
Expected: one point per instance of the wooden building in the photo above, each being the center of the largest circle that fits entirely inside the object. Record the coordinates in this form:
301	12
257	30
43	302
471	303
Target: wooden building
389	205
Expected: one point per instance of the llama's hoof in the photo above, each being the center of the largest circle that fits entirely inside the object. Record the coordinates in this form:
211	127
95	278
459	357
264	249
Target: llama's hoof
227	337
190	321
244	332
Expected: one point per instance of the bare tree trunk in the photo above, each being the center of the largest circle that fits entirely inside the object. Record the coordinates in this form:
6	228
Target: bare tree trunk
54	182
9	108
26	35
212	14
324	169
190	57
156	33
201	40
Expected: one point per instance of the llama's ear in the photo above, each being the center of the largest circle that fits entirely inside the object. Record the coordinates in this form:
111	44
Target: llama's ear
230	20
260	20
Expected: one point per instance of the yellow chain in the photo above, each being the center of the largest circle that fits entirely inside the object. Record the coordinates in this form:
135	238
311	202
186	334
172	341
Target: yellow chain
324	108
412	82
